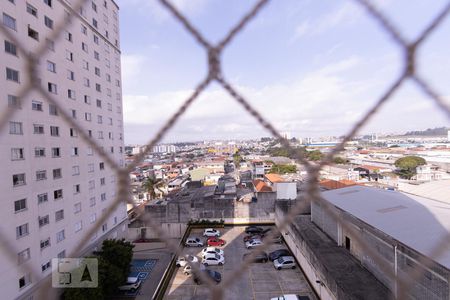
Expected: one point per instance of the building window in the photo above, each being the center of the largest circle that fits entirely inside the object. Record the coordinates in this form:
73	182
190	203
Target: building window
100	135
52	88
13	101
97	56
93	217
9	21
59	215
57	173
18	179
92	201
33	33
45	243
104	227
22	231
84	47
51	66
87	99
97	71
45	220
42	198
54	130
39	152
36	105
96	39
68	36
85	65
78	226
31	10
87	116
101	166
103	196
48	22
70	75
20	205
90	168
48	2
76	171
94	23
98	87
71	94
86	82
52	110
74	151
69	55
38	129
56	152
23	256
58	194
91	184
99	119
12	75
10	48
41	175
24	281
83	28
73	132
60	236
50	44
102	181
15	127
46	266
17	154
62	254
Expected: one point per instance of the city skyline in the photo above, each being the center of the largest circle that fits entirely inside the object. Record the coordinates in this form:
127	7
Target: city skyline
322	69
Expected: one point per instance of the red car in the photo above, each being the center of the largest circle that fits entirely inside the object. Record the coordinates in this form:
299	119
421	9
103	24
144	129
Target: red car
215	241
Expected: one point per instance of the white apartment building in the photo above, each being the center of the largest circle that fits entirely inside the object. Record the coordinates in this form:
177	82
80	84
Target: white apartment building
53	185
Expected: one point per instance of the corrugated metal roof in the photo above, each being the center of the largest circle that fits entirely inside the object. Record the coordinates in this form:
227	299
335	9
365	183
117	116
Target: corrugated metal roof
418	222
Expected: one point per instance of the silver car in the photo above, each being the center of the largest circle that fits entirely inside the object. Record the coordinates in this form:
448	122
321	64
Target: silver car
284	262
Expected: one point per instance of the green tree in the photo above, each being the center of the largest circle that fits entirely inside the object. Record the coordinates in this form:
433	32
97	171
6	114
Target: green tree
150	185
237	158
314	155
283	169
406	166
339	160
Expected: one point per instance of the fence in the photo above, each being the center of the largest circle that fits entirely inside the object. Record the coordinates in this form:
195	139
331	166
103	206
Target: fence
213	52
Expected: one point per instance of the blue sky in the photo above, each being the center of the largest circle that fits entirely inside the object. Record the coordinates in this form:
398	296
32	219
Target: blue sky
311	67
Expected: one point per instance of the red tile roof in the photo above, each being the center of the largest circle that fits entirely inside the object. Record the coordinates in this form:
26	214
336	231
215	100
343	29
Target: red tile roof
333	184
261	186
274	178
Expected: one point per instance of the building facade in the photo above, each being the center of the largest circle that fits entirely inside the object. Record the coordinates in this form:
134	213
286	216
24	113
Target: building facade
54	185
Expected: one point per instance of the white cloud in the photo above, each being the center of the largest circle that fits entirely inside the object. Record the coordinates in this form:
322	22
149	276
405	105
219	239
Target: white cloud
132	67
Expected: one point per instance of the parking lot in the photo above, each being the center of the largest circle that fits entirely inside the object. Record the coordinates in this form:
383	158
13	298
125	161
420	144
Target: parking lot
260	281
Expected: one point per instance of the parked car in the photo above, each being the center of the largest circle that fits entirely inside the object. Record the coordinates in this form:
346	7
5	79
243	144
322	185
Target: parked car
279	253
252	237
211	232
291	297
284	262
215	241
277	239
213	259
132	284
188	269
253	243
193	242
253	229
258	257
211	250
214	275
182	260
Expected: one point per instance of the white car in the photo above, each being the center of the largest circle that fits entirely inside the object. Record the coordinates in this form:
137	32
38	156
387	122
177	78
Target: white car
290	297
284	262
211	250
213	259
133	283
253	243
183	260
211	232
188	269
193	242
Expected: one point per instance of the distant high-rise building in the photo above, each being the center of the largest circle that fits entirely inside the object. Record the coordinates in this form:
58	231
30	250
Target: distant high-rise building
55	186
